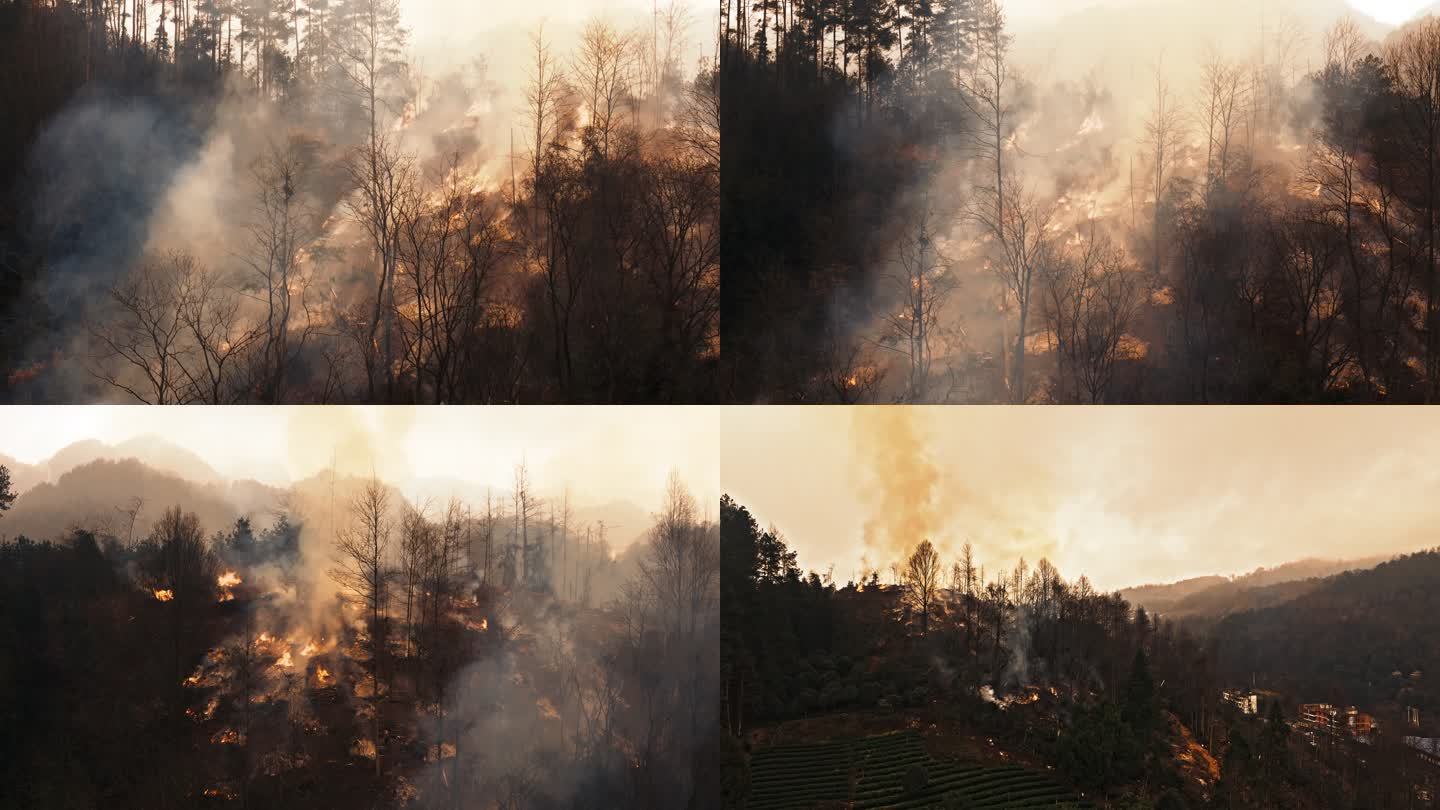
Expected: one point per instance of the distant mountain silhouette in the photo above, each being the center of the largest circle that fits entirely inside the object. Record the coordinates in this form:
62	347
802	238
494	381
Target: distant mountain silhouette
93	495
154	451
1216	596
22	475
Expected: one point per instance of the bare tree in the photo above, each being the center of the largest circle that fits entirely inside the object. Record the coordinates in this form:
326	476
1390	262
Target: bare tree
527	506
385	183
922	582
417	539
281	224
923	283
967	582
604	71
1022	235
1091	297
677	567
220	338
450	249
362	572
1225	95
1164	138
547	101
143	346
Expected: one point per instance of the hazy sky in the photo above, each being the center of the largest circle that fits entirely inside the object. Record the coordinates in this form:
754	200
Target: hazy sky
1123	495
445	33
606	452
1393	12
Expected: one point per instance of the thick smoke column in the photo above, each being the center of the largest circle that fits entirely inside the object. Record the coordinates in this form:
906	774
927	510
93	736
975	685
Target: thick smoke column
902	484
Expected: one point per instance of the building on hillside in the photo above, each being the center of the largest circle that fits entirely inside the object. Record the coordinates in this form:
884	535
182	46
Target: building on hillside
1427	748
1346	722
1358	723
1317	715
1246	702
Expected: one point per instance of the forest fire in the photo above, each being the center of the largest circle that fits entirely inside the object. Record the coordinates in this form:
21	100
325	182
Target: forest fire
272	691
227	583
1028	695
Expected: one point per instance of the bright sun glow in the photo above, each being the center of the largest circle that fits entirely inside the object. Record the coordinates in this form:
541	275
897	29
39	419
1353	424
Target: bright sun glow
1393	12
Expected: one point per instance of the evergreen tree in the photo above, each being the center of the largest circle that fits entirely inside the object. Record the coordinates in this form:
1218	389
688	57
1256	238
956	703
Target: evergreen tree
7	492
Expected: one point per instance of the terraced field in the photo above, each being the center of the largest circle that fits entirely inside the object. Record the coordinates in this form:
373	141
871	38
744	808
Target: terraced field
871	774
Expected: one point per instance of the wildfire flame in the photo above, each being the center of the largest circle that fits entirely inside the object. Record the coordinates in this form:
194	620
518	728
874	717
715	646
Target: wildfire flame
484	625
164	594
226	581
285	661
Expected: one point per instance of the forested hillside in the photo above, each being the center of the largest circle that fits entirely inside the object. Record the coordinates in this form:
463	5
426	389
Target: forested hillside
1025	668
1218	596
215	202
1369	637
355	648
914	213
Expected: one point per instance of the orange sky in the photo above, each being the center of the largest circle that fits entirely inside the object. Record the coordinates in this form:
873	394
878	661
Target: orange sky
1124	495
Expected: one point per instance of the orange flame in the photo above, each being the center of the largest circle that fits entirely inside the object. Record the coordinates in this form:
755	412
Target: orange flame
164	594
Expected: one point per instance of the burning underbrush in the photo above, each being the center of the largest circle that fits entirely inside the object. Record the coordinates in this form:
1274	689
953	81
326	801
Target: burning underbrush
223	670
286	705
